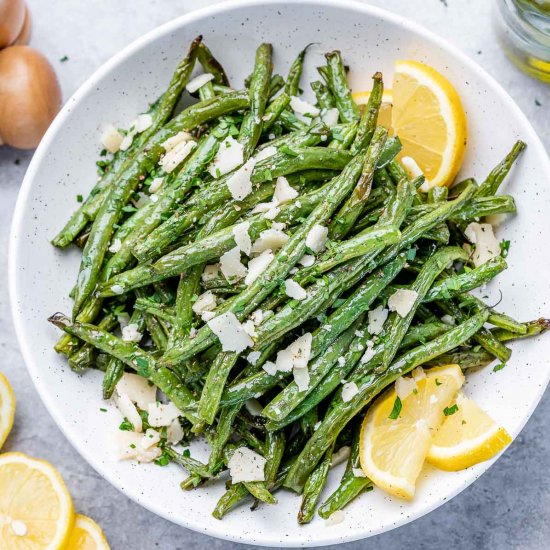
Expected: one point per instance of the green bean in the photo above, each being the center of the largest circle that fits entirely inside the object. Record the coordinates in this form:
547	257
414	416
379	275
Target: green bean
367	125
113	373
223	433
292	86
352	208
274	109
532	328
251	127
337	82
458	284
211	65
324	96
313	487
500	171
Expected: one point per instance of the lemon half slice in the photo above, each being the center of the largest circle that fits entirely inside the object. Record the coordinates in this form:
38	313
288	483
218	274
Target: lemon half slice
7	408
87	535
466	438
429	119
393	450
36	509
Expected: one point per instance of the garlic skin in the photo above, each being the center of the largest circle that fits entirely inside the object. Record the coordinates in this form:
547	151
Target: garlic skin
12	18
30	96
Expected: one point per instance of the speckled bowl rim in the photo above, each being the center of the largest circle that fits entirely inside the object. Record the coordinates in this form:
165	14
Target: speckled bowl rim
88	87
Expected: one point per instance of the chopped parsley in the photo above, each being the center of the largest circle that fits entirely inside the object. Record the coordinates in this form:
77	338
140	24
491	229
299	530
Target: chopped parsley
498	367
448	411
79	198
397	406
126	426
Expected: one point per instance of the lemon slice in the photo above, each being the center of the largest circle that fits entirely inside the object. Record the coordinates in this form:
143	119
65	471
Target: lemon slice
384	115
466	438
87	535
7	408
393	450
428	117
36	510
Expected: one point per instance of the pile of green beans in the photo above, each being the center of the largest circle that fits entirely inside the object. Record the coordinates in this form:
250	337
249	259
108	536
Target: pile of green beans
146	264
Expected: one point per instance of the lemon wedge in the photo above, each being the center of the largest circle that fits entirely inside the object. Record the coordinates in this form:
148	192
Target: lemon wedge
428	117
87	535
467	437
424	110
397	432
7	408
36	509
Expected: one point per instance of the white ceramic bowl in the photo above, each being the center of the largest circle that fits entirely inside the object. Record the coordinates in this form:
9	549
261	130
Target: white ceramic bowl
63	166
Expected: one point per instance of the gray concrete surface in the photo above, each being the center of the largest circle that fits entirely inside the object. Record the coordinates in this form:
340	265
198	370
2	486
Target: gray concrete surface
508	508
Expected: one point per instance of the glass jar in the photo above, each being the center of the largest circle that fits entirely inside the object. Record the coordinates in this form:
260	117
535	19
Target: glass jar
523	29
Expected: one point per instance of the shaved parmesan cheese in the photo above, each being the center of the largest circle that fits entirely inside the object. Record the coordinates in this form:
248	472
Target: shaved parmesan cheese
174	432
115	247
127	140
239	183
487	247
207	315
198	82
307	260
173	158
448	320
301	107
418	374
250	328
283	191
357	472
128	411
242	238
210	272
246	465
138	389
341	360
335	518
411	167
258	265
161	414
156	184
272	213
270	368
123	319
270	239
369	352
230	332
142	122
377	318
176	139
296	355
341	455
253	407
301	378
130	333
111	138
117	289
402	301
150	438
205	302
349	391
294	290
316	238
257	316
404	386
129	445
265	153
330	117
231	266
230	155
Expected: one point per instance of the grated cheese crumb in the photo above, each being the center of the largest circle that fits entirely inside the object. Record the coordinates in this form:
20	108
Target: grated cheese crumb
111	138
349	391
230	332
377	318
130	333
402	301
